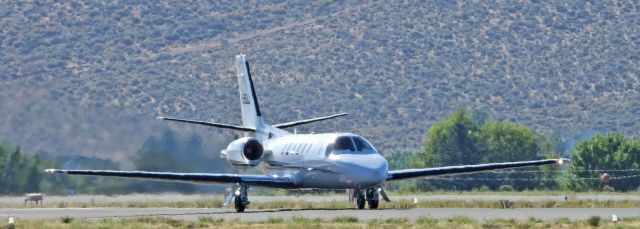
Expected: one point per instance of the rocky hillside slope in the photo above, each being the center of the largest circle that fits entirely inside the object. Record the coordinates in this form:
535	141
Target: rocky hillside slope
89	77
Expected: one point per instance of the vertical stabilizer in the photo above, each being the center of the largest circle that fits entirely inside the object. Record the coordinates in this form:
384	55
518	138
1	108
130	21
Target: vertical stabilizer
251	116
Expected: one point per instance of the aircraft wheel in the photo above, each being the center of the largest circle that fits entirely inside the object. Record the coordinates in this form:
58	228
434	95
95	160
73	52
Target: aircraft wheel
373	204
372	198
238	204
360	201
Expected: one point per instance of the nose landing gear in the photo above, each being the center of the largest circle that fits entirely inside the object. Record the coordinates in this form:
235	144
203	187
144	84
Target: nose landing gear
370	196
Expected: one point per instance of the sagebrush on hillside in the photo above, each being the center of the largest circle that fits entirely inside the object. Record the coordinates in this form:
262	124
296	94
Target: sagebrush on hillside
88	77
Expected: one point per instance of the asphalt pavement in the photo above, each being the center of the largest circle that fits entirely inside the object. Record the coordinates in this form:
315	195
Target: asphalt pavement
260	214
264	214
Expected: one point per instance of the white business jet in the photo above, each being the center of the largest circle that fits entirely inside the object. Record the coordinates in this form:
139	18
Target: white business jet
299	161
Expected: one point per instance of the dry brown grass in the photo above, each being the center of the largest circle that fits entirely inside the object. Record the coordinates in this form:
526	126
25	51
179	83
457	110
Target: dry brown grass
302	204
340	222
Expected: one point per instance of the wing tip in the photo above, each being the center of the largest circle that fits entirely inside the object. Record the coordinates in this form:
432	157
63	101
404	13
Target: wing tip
563	160
53	171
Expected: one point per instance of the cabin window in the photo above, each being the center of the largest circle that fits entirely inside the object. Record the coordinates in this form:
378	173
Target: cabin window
296	147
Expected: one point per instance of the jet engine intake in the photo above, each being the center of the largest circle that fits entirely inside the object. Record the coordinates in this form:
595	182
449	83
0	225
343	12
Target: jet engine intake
247	151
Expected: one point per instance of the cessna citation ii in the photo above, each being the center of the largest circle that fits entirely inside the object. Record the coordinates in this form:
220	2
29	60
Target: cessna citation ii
299	161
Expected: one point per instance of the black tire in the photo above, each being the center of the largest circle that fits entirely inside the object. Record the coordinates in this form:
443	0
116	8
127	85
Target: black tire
238	203
360	201
373	204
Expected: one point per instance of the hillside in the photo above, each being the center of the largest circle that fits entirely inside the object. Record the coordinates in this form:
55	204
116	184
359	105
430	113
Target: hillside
88	78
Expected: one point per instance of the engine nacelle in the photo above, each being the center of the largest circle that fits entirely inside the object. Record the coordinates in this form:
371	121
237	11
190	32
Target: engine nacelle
247	151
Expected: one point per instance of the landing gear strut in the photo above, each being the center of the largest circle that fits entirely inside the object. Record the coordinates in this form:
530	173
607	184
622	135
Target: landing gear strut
242	199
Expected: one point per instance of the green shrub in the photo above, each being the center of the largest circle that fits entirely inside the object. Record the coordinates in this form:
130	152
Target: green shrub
396	221
534	220
300	219
66	219
461	219
426	220
563	220
484	188
608	188
210	220
274	220
374	223
506	188
594	221
346	219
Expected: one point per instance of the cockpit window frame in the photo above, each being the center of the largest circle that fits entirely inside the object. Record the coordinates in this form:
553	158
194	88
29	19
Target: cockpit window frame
338	147
364	144
368	147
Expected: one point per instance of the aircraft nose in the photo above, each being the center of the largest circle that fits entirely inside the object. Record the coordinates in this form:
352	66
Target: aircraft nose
367	171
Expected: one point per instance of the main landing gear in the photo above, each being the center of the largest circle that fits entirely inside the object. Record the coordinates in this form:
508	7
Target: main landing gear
242	199
370	195
360	200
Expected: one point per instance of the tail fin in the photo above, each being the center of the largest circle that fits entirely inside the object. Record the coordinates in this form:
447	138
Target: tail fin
251	116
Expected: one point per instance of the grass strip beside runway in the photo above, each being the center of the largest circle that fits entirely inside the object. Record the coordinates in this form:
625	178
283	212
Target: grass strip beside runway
338	222
303	204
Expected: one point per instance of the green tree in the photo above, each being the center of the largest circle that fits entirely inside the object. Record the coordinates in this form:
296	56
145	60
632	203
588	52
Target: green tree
14	171
508	141
452	141
611	151
174	153
161	154
19	173
34	177
460	140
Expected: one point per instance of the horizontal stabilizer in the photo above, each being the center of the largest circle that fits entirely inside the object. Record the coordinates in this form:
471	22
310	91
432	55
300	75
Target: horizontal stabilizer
297	123
219	125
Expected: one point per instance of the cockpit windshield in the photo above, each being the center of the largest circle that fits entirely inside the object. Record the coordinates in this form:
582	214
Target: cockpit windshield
350	145
344	143
361	144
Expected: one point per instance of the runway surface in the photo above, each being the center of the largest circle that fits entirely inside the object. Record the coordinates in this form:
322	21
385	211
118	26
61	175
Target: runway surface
253	215
89	199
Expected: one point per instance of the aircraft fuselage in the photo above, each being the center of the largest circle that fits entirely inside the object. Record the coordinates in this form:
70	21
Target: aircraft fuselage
324	161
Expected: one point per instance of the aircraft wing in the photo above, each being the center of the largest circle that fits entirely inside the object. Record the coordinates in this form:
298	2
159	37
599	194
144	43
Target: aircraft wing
461	169
257	180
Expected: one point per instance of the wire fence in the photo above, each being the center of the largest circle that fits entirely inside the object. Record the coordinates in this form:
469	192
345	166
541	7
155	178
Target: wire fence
528	179
567	171
612	176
